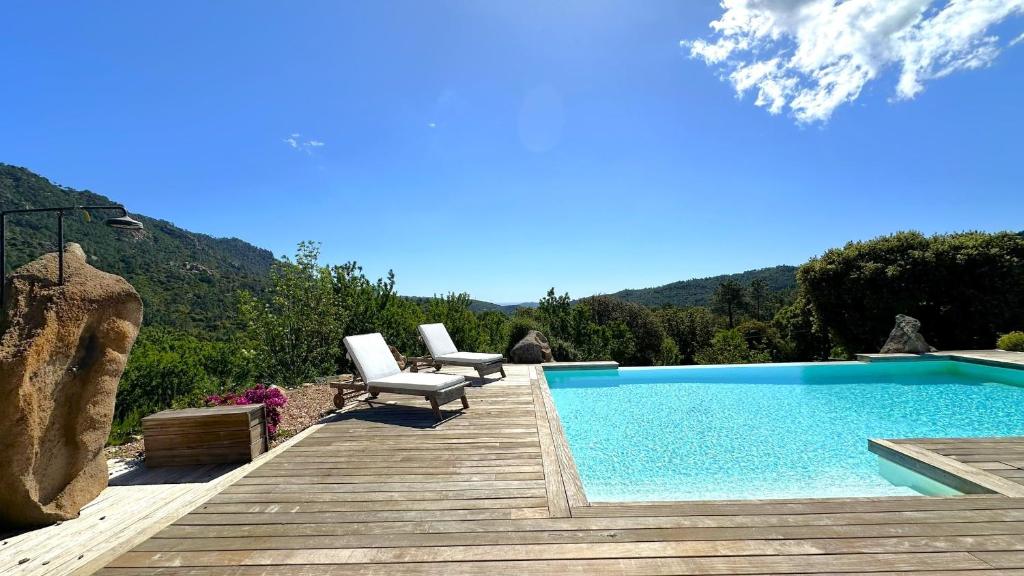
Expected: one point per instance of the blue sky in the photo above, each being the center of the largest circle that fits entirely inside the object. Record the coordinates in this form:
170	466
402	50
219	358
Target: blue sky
498	148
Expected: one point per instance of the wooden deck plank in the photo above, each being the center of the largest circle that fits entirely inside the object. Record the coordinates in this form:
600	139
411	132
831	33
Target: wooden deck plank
291	542
558	503
774	557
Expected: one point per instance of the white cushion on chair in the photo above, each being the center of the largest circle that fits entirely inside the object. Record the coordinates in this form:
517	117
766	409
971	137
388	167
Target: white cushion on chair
437	339
372	357
418	381
469	358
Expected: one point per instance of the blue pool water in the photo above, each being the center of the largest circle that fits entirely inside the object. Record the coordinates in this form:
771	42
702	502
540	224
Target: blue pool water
769	431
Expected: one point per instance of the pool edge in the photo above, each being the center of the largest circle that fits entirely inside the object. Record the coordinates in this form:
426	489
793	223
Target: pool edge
568	474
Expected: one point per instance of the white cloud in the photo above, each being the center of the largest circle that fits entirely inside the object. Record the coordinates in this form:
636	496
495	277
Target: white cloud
812	56
295	141
1017	40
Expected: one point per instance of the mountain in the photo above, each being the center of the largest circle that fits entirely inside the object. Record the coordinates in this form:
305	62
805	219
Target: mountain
190	281
186	280
481	306
697	292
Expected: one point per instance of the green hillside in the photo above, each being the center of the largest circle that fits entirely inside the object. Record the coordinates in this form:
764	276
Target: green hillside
697	292
186	280
190	280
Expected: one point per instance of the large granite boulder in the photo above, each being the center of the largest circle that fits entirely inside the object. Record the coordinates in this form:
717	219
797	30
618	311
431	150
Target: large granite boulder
532	349
62	352
905	339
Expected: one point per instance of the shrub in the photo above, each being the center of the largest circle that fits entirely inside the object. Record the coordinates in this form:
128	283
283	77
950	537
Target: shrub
518	328
802	333
636	335
690	328
964	288
170	368
271	397
729	347
1012	342
564	351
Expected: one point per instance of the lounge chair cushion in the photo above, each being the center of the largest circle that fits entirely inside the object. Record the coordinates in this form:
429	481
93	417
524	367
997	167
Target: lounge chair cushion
436	337
418	381
468	358
372	356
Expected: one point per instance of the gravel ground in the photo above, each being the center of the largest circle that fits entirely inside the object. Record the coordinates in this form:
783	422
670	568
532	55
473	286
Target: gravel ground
306	405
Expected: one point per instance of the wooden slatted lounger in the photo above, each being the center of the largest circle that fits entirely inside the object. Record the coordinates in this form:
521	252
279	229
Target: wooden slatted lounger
443	351
381	373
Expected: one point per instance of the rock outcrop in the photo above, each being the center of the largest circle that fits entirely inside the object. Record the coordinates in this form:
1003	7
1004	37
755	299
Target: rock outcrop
905	339
532	349
62	352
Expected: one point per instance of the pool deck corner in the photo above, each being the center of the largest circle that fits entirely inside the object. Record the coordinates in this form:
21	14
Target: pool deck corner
970	465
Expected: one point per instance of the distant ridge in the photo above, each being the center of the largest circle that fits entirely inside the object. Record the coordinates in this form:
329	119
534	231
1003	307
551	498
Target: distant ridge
187	280
698	291
190	280
483	306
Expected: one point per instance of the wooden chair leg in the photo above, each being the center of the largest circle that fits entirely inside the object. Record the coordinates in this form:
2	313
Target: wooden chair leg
465	402
436	409
502	371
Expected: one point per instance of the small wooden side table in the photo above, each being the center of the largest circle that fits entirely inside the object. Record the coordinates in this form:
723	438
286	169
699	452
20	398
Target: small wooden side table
217	435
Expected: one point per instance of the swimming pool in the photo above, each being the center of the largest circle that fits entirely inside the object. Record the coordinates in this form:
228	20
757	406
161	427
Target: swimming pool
769	430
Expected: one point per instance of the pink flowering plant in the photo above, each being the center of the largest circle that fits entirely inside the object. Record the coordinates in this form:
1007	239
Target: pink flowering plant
271	397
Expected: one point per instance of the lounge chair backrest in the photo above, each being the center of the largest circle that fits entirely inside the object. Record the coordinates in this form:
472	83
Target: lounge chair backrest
436	337
372	357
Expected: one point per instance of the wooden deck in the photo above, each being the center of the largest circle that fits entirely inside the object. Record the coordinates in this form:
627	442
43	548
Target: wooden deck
382	491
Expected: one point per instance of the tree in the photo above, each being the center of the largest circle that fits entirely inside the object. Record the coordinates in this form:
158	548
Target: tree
690	328
760	296
636	335
729	299
802	331
296	332
729	347
554	313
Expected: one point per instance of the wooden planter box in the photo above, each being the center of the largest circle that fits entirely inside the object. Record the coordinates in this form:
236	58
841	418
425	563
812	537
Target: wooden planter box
205	435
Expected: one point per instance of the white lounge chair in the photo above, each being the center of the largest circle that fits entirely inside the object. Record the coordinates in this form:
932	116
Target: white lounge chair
443	351
381	373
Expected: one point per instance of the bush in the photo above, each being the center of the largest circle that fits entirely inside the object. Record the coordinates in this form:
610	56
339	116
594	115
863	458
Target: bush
691	329
518	328
964	288
169	368
803	336
635	336
272	399
729	347
1012	342
564	351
